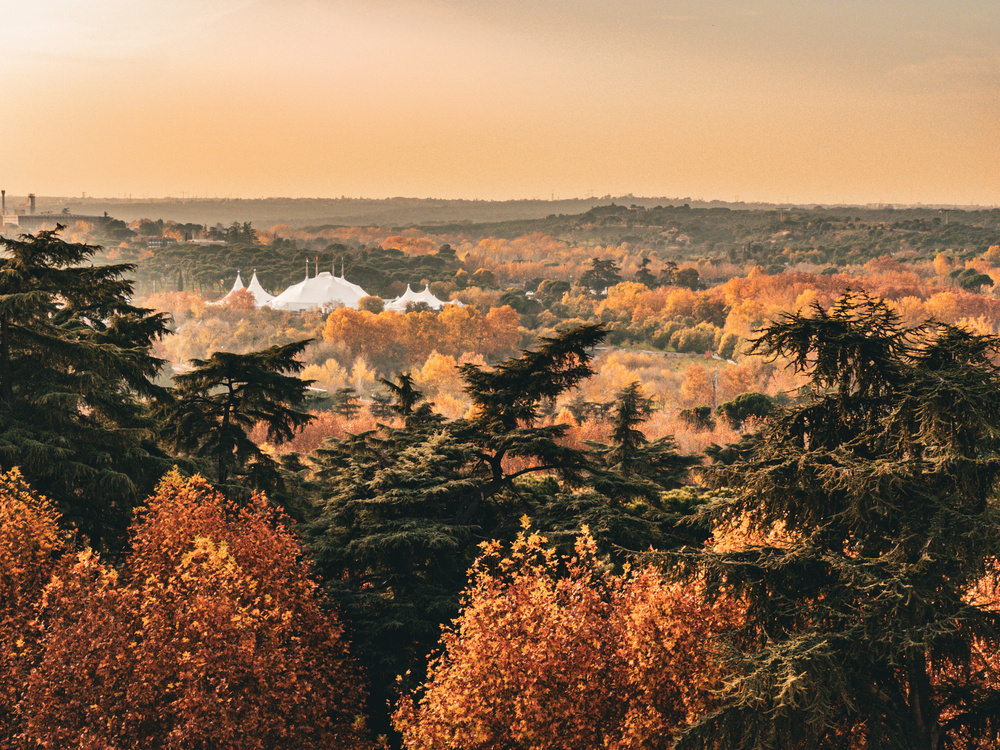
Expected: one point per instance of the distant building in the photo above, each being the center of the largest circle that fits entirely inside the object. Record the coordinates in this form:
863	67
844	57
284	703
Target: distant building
31	223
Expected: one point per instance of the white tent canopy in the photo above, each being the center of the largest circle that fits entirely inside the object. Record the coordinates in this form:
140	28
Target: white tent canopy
411	297
322	290
260	296
237	287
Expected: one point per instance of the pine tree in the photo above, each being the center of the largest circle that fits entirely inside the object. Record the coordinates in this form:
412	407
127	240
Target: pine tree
222	398
345	402
879	498
601	275
76	373
404	507
633	466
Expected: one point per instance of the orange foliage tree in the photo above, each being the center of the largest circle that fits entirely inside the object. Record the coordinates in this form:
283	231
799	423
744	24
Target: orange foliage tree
391	342
552	652
212	638
29	548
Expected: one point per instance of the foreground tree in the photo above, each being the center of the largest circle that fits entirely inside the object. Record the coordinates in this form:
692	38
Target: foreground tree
860	630
30	547
221	399
554	652
76	369
211	637
403	508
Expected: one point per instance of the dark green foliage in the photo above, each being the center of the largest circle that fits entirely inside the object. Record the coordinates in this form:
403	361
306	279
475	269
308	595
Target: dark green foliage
644	275
404	508
698	417
345	402
551	290
222	398
634	467
626	508
381	406
746	406
689	278
601	275
403	395
972	280
76	369
858	629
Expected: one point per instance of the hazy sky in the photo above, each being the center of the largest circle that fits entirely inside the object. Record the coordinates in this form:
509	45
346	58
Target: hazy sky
819	102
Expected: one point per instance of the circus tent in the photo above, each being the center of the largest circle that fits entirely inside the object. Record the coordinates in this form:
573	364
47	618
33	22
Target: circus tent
410	297
260	296
237	287
323	290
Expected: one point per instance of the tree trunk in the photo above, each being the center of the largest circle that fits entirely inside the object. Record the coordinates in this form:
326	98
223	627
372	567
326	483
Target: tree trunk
926	721
6	386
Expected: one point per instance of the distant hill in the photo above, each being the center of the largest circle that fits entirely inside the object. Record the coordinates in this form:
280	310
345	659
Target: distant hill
301	213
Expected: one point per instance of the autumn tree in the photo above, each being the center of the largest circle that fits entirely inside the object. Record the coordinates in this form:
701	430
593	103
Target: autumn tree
220	400
76	373
859	629
211	637
30	545
557	652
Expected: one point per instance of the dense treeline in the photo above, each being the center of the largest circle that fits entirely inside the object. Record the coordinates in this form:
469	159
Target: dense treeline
827	581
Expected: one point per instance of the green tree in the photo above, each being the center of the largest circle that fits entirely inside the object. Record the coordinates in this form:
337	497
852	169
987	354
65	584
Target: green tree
746	406
601	275
403	509
644	275
636	467
76	372
222	398
698	417
688	277
345	402
882	492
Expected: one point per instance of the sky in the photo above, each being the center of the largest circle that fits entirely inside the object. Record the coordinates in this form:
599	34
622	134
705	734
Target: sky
839	101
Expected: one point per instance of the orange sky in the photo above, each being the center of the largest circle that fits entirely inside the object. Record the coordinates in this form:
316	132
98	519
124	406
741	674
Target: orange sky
814	102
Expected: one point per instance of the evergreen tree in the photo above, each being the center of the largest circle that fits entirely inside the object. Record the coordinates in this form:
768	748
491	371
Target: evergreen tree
345	402
746	406
403	394
404	508
644	275
381	406
880	497
633	466
76	372
601	275
222	398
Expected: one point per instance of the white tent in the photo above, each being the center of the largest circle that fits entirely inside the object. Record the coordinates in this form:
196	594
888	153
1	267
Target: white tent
260	296
411	297
237	287
322	290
